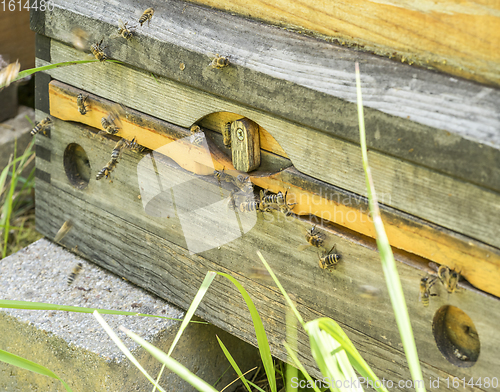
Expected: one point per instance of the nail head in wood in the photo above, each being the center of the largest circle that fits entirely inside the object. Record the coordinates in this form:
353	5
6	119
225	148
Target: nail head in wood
245	145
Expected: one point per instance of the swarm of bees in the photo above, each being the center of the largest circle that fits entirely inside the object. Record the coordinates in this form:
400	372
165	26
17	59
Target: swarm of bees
121	145
219	62
43	126
446	276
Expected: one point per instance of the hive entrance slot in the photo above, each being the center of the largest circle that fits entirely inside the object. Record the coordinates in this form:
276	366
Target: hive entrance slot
77	166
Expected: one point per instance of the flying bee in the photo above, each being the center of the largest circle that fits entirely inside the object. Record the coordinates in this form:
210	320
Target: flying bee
106	170
98	51
146	16
449	278
65	228
119	147
42	126
425	289
314	238
249	206
329	260
108	125
197	136
136	147
76	270
219	62
124	31
80	102
226	135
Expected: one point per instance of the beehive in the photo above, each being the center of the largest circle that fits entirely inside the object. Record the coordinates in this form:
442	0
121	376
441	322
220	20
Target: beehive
167	215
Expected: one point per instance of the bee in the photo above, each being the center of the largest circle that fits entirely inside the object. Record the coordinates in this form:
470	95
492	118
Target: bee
124	31
460	356
136	147
249	206
80	102
76	270
226	135
146	16
449	278
272	199
98	51
108	125
42	126
329	260
219	62
197	136
65	228
314	238
106	170
425	289
119	147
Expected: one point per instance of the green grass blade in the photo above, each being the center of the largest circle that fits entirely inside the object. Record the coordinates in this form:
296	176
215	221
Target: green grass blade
24	363
123	348
233	364
260	333
209	277
256	386
172	364
388	263
295	359
291	338
283	292
31	71
357	361
11	304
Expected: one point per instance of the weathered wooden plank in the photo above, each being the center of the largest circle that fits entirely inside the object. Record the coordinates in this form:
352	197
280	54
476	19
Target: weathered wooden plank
451	36
478	263
153	250
445	201
306	81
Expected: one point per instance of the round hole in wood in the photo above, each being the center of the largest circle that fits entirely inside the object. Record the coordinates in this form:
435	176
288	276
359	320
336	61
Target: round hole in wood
77	166
456	336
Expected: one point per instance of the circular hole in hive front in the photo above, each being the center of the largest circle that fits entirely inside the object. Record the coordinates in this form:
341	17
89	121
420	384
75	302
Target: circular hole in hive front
77	166
456	336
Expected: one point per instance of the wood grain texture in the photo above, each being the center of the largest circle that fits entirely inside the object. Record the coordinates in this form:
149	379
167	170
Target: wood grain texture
119	231
478	263
434	120
432	196
452	36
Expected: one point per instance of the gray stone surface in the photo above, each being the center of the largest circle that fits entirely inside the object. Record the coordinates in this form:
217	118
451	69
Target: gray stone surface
74	345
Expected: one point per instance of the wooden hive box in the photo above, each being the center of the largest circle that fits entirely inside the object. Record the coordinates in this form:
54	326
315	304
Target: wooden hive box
171	213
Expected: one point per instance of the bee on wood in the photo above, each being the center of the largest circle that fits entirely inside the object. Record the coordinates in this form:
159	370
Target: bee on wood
136	147
197	136
98	51
76	270
108	125
425	289
226	135
146	16
119	147
106	170
65	228
80	102
124	31
449	278
314	238
329	260
219	62
42	126
249	206
272	199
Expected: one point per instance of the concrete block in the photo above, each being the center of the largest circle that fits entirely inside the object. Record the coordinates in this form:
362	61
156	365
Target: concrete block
74	346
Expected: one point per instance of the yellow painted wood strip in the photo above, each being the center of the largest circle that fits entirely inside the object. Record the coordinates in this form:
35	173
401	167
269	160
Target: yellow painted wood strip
461	38
478	263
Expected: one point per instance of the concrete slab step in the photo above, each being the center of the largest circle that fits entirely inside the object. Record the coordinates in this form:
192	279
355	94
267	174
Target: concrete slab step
75	347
